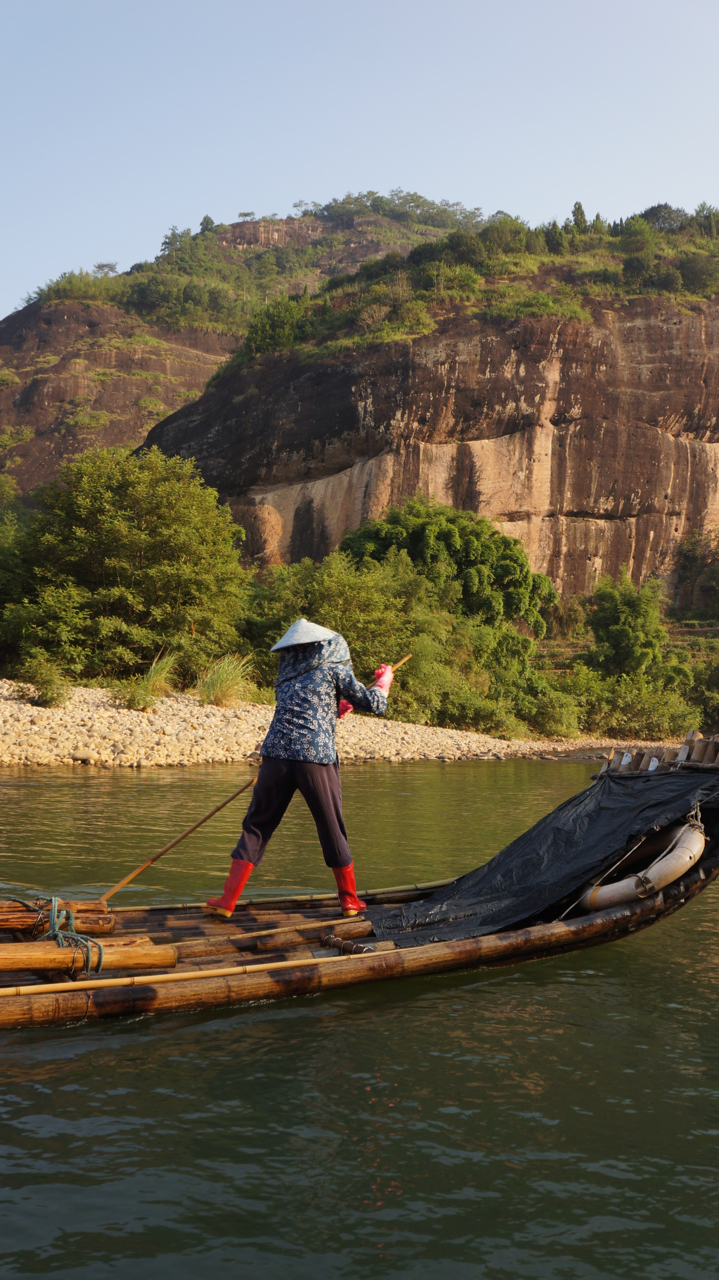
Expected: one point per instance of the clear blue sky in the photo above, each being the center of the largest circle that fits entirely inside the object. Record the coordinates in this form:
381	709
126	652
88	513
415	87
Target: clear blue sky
121	119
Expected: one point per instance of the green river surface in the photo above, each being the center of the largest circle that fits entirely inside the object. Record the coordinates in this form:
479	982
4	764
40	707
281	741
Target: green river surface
553	1119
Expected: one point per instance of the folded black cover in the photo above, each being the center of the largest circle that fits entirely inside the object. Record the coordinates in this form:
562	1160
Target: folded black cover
579	840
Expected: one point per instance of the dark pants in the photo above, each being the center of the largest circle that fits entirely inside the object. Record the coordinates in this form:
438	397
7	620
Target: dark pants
276	784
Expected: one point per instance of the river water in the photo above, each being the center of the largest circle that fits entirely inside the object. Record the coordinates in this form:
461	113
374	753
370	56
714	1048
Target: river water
555	1119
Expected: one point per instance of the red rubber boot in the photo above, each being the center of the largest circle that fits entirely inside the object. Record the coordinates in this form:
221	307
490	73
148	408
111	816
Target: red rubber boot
234	884
346	888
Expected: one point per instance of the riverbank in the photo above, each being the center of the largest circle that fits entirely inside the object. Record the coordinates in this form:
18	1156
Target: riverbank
89	730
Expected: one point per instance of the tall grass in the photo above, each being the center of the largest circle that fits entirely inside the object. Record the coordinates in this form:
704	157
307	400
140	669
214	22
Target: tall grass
227	681
140	693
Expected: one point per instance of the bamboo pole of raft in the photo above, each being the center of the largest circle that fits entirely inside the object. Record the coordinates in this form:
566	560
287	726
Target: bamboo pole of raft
271	903
178	840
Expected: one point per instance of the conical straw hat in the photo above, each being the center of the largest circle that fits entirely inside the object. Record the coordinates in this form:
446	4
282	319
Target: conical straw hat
303	632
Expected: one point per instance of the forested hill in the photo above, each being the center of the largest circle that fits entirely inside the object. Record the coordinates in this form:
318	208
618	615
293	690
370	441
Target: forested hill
98	357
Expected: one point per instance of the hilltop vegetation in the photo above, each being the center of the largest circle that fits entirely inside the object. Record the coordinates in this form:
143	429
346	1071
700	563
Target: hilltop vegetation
501	270
500	265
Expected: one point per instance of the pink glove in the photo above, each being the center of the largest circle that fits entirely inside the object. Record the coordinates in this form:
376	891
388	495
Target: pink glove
384	676
344	709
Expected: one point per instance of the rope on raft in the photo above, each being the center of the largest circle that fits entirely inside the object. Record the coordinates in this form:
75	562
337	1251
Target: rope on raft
69	936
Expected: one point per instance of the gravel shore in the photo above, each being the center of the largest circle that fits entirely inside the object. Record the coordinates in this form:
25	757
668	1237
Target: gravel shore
89	730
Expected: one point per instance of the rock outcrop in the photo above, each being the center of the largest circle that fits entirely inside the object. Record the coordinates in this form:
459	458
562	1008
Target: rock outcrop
595	443
77	374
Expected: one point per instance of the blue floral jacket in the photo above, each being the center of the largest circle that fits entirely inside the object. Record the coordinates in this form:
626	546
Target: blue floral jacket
311	681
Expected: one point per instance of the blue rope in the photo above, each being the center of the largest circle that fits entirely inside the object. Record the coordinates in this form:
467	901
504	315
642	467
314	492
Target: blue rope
69	937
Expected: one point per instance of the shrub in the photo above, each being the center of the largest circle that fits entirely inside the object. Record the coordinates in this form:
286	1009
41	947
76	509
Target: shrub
698	574
87	420
535	242
637	269
627	706
566	618
504	235
463	672
466	249
512	305
667	278
700	273
51	687
125	556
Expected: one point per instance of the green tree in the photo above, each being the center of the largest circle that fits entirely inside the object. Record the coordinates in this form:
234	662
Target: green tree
627	625
556	238
638	237
698	574
579	218
124	556
700	273
280	324
473	567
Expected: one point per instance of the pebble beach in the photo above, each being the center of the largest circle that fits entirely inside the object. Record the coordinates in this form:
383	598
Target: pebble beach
89	730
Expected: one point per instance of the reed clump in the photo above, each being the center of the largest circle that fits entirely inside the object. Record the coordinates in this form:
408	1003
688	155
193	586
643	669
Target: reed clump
141	692
227	681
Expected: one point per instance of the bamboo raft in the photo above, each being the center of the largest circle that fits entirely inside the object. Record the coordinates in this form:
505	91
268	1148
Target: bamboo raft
171	958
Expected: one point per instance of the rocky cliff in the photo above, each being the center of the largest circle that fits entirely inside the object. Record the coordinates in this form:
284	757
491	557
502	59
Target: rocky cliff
76	374
595	443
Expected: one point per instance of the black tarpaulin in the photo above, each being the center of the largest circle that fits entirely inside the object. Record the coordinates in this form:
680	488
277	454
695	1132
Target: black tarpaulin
579	840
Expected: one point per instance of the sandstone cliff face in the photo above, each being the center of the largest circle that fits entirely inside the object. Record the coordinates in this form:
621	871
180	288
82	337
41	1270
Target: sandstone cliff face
596	444
76	374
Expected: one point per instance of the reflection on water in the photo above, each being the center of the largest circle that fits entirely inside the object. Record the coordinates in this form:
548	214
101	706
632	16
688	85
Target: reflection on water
556	1119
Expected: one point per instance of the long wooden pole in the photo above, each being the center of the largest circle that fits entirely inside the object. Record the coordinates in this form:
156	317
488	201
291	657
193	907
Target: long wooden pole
396	666
178	839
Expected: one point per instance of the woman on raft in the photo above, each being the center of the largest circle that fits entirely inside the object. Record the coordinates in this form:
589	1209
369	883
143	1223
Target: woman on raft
315	686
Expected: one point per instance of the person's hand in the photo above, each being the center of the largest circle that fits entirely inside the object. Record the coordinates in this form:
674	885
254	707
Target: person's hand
384	676
344	709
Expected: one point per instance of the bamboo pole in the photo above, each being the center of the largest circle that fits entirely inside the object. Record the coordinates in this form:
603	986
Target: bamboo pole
178	839
248	904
